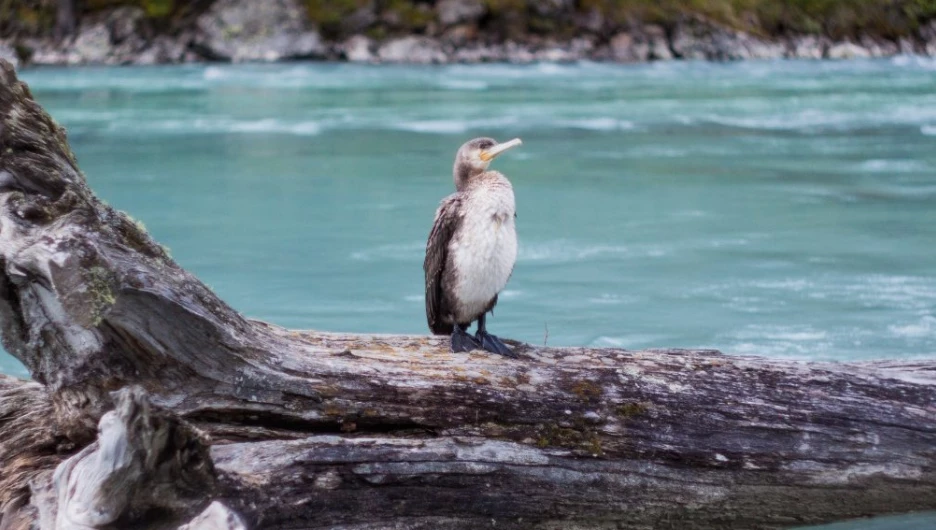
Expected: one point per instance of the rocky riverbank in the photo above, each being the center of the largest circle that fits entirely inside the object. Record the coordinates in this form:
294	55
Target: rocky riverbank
242	30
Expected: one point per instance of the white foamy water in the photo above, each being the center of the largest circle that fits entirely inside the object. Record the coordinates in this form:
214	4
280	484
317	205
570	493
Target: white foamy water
598	124
215	126
815	120
925	327
566	251
787	334
463	84
434	126
611	299
630	342
893	166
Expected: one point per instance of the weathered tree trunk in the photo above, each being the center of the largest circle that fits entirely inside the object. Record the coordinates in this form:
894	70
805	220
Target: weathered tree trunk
154	399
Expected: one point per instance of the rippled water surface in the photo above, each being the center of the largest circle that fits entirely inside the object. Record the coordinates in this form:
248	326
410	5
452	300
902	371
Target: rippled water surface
784	209
781	209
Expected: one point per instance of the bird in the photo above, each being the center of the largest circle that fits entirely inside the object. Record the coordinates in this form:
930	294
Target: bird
472	248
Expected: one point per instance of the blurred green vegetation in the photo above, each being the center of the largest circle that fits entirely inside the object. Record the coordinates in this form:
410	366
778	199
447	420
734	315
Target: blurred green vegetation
30	17
834	18
330	15
335	18
152	8
37	17
515	18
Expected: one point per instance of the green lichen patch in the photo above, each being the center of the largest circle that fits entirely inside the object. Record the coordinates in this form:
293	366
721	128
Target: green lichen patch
587	391
100	293
580	440
632	409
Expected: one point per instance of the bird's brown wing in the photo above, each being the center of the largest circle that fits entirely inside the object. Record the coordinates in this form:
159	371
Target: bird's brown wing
447	220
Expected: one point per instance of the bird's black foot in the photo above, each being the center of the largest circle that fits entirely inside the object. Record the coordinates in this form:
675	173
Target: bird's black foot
494	345
462	341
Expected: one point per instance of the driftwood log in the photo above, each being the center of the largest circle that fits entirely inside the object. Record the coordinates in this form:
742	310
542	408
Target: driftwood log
156	405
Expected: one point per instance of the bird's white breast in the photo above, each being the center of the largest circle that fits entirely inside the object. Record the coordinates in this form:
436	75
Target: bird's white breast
484	249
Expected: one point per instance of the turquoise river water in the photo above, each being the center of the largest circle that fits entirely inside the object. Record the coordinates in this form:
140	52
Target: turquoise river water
775	208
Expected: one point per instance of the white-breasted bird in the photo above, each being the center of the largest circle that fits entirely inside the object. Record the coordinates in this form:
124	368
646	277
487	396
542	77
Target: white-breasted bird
472	248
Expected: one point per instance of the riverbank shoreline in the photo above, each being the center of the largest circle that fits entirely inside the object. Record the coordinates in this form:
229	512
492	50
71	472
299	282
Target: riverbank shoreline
240	31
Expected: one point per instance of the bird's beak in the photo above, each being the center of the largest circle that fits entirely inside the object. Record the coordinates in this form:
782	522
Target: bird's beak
488	154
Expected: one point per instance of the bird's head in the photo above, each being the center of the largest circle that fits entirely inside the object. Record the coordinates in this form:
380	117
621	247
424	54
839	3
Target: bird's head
474	157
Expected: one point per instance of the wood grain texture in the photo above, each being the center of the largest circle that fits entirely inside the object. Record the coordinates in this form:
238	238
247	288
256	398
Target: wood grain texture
305	429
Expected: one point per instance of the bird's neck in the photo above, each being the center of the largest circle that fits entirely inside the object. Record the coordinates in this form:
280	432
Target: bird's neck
489	180
465	174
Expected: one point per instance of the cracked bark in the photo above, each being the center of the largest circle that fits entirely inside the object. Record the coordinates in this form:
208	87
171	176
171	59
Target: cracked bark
149	385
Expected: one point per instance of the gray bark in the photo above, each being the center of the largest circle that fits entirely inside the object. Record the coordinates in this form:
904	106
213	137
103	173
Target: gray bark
153	399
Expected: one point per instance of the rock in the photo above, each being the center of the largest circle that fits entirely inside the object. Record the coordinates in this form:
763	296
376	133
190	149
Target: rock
8	53
658	45
362	18
700	39
847	50
551	8
582	47
479	54
125	23
592	20
555	55
692	42
92	45
879	48
460	35
151	55
907	46
928	36
164	50
44	52
518	53
575	50
928	32
242	30
358	49
451	12
624	48
417	50
415	19
807	47
115	37
760	49
127	27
